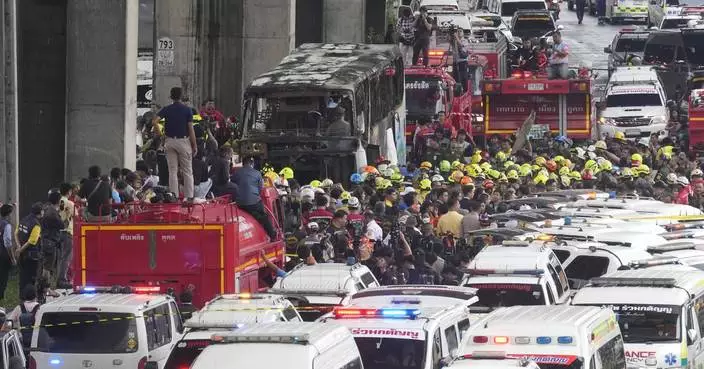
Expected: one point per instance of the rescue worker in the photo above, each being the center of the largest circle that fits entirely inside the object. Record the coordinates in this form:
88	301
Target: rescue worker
7	256
249	185
28	251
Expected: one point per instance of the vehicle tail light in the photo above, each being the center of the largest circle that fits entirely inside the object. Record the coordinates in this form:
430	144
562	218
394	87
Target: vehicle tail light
517	74
480	339
501	339
142	363
147	289
492	87
32	362
436	53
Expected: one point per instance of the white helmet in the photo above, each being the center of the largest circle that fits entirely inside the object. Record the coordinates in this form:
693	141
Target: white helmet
672	178
307	194
683	181
437	178
327	183
645	141
281	182
313	226
697	172
353	202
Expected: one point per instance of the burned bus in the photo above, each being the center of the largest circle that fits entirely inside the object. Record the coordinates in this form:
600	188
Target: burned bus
327	109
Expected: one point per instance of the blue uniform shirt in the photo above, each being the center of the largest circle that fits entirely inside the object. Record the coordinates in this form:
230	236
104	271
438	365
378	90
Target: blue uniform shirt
250	183
177	117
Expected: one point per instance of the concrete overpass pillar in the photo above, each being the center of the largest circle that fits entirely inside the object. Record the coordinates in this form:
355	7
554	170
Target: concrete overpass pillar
9	150
215	48
101	85
343	21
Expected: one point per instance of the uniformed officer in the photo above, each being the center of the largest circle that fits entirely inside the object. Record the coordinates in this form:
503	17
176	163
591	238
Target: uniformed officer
27	235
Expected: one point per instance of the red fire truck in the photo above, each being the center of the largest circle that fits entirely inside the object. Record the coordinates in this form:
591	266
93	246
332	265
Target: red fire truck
563	105
214	247
430	90
696	121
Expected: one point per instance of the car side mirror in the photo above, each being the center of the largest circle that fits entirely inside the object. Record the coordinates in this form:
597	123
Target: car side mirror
607	49
691	336
151	365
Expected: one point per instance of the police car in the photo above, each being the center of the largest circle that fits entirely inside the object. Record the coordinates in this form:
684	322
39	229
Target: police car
106	327
636	102
408	334
516	273
566	337
282	345
223	314
659	312
317	288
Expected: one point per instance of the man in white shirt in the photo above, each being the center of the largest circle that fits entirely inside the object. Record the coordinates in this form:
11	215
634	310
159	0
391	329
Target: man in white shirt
558	58
374	232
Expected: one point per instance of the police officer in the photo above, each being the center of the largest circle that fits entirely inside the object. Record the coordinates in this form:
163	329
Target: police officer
27	235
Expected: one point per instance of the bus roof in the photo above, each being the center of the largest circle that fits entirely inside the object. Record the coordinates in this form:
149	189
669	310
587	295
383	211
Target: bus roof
327	67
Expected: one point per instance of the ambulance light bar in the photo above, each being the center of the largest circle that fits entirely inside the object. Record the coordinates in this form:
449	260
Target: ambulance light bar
677	235
597	196
489	355
407	301
87	290
634	282
684	225
261	338
523	340
653	262
671	247
512	243
287	292
535	272
383	313
212	325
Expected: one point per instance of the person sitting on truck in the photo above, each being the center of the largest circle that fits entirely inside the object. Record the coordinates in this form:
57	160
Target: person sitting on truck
249	183
558	58
220	174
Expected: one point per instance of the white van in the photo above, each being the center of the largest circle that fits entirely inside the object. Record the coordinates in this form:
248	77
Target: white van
566	337
317	288
224	314
605	234
508	7
282	345
660	312
407	335
104	328
434	5
583	261
516	273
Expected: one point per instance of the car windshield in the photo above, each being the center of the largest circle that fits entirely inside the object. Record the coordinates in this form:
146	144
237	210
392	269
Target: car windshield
423	96
648	323
534	26
510	8
630	45
674	23
495	295
628	100
659	53
185	353
391	353
117	332
694	47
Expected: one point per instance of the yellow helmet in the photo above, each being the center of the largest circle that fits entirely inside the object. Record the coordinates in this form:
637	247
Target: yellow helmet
665	151
287	173
619	135
606	165
197	118
476	157
575	175
456	176
503	177
315	183
445	166
493	174
601	144
590	164
271	175
425	184
512	174
456	164
553	175
396	177
565	180
525	171
540	161
558	159
501	156
426	165
508	164
345	195
470	170
644	169
567	163
485	166
540	178
267	168
626	172
564	171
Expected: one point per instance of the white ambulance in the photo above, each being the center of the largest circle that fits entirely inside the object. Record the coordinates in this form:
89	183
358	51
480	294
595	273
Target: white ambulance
491	360
660	312
106	328
564	337
516	273
405	335
282	345
428	295
315	289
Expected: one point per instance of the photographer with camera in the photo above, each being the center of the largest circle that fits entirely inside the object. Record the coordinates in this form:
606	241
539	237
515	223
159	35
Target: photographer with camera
423	28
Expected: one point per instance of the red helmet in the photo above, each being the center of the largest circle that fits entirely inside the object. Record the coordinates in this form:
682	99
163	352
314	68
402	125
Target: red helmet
382	160
488	184
587	175
551	165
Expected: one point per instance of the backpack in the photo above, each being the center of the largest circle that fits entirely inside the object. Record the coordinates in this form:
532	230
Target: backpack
27	320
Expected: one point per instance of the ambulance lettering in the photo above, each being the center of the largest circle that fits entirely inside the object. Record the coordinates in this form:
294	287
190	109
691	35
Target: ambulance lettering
639	356
412	334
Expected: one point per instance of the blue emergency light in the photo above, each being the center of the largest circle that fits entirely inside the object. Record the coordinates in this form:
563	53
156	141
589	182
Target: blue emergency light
564	340
543	340
393	313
